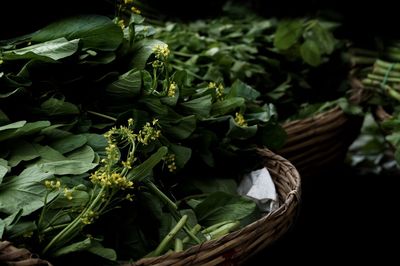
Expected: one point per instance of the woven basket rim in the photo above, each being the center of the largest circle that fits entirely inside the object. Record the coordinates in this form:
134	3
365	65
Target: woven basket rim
288	207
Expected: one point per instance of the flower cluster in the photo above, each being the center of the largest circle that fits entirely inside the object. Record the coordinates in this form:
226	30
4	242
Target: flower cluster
149	132
52	184
171	90
161	51
113	180
170	162
239	119
219	89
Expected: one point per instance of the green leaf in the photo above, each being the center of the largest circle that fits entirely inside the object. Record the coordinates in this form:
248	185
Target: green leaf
288	33
26	129
227	106
323	37
220	206
182	154
181	128
54	49
239	132
128	85
96	141
77	246
83	154
200	107
240	89
69	143
55	106
14	125
48	154
211	185
67	167
25	191
79	198
310	52
4	168
95	32
140	172
22	151
155	105
106	253
143	51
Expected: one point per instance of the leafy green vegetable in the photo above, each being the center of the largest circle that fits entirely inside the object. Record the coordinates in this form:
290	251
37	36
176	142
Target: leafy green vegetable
220	206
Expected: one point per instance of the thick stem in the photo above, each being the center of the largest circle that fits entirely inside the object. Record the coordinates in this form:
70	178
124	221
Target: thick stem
167	239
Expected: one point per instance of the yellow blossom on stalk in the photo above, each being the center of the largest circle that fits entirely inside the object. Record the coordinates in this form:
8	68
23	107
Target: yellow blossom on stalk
135	10
170	162
68	193
52	184
219	91
149	133
129	197
171	89
212	85
161	51
239	119
157	64
126	2
89	217
121	23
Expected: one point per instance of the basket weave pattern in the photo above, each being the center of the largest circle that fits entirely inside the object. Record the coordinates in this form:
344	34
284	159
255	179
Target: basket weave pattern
321	141
236	247
11	255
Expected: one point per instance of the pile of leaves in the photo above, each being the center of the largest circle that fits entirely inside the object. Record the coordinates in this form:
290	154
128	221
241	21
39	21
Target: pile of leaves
292	63
70	163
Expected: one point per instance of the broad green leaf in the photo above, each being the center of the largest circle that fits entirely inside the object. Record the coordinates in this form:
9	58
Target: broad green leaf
25	191
141	171
96	141
155	105
181	128
4	168
14	125
310	52
323	37
54	49
55	106
22	151
79	198
143	51
2	227
77	246
220	206
288	33
83	154
96	32
103	252
200	106
182	154
67	167
26	129
21	228
240	132
69	143
128	85
240	89
211	185
227	106
48	154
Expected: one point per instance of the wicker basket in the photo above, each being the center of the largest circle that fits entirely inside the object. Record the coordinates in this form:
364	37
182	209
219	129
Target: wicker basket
321	141
236	247
11	255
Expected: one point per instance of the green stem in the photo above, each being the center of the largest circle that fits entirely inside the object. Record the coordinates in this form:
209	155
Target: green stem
161	195
102	115
66	233
167	239
178	245
195	229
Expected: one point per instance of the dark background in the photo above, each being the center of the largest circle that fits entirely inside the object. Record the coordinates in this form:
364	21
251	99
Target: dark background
344	218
